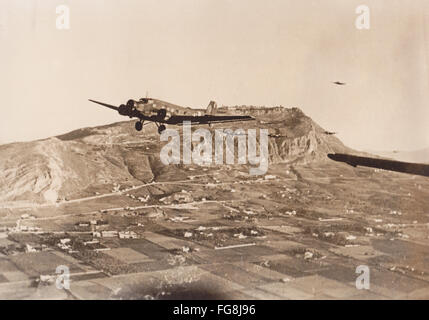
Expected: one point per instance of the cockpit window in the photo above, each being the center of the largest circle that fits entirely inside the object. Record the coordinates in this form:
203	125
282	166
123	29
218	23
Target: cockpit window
144	100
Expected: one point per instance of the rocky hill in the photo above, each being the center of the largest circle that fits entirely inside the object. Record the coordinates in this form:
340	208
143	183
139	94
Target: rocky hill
100	157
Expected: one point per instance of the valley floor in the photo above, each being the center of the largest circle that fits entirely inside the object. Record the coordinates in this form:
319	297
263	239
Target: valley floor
298	232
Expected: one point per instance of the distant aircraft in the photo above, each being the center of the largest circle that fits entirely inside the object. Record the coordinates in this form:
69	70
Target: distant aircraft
330	133
392	165
339	83
162	113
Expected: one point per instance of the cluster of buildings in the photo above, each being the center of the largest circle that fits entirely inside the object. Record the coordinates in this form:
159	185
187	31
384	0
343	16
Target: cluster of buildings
257	110
115	234
179	197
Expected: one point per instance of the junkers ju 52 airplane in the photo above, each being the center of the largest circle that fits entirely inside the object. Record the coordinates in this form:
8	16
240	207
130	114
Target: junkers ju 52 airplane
162	113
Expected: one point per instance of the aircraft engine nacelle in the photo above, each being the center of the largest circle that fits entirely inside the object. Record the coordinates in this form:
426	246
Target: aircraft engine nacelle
124	110
131	103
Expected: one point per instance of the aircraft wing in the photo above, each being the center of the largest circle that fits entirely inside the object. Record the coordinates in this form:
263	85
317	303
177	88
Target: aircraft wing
105	105
207	119
127	112
392	165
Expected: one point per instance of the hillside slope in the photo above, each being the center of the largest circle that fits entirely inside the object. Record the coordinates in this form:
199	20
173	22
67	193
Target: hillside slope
55	168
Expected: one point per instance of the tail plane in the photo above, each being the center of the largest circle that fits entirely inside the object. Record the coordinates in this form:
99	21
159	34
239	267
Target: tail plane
211	108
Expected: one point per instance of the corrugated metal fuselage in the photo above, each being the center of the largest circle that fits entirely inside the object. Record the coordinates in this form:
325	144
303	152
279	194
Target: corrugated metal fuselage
151	107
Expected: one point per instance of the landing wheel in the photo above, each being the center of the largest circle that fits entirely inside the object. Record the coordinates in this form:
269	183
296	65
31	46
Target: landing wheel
161	128
139	126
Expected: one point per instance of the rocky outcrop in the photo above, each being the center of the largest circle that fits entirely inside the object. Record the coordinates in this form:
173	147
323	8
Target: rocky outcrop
294	137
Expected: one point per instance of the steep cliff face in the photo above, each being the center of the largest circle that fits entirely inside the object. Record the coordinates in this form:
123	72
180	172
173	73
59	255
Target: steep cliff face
51	169
311	145
294	137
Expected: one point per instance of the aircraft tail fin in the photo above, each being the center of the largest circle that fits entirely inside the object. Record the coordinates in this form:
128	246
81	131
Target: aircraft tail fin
211	108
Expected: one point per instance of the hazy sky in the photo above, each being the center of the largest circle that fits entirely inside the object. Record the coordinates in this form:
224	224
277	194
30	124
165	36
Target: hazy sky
272	52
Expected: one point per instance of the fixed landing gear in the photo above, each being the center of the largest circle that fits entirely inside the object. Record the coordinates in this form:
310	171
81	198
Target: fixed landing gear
161	128
139	125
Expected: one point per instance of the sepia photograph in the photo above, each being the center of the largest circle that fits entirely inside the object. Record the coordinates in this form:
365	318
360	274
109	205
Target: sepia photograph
239	150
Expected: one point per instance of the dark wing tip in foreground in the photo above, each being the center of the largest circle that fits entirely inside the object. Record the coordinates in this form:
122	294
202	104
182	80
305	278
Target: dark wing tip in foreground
385	164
